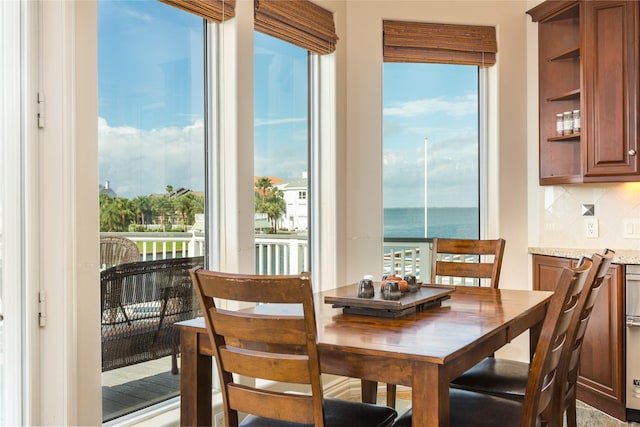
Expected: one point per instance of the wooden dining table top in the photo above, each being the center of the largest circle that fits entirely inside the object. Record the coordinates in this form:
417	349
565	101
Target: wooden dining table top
424	350
436	334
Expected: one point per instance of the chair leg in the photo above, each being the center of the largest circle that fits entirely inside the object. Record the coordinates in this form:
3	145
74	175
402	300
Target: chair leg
174	362
391	395
571	413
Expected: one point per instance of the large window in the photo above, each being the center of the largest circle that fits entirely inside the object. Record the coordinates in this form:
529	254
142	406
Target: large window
281	156
152	181
433	133
431	151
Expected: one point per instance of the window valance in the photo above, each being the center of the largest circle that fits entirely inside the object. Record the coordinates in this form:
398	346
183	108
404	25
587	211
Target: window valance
299	22
211	10
439	43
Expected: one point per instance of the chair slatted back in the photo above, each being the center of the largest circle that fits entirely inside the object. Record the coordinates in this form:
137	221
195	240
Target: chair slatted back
578	327
467	258
546	366
261	343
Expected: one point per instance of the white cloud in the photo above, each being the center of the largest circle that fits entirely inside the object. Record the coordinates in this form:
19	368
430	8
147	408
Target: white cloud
138	15
141	162
454	106
452	170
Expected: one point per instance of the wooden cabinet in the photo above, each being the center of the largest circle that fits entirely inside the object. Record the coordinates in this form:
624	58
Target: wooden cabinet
611	88
601	381
588	61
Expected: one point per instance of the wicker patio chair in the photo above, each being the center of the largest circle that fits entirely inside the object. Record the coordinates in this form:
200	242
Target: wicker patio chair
115	250
140	302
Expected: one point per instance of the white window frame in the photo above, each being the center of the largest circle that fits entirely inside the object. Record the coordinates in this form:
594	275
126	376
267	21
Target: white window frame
13	409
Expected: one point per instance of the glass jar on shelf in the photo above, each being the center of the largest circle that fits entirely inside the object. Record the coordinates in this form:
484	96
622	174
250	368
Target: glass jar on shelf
559	124
567	123
576	121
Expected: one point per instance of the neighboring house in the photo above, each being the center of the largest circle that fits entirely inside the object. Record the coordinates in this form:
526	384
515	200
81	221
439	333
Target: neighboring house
296	216
295	195
106	189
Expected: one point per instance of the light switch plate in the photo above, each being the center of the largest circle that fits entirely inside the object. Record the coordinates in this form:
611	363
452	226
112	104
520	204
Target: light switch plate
591	228
631	228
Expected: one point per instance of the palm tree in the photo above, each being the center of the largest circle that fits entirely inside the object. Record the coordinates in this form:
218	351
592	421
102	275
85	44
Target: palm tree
109	216
262	185
142	207
123	207
160	207
185	206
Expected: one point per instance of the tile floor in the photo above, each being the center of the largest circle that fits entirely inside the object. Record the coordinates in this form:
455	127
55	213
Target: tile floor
586	415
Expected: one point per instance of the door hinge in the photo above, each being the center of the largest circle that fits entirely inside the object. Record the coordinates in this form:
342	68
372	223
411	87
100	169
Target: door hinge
42	309
40	110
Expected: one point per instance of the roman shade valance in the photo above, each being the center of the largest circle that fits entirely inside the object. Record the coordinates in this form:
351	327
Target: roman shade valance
211	10
439	43
299	22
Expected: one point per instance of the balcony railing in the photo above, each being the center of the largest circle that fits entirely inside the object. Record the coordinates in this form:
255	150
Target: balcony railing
407	256
283	254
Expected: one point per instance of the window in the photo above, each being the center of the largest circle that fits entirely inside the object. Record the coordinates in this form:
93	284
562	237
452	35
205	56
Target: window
433	124
281	154
151	170
288	39
302	195
13	287
431	151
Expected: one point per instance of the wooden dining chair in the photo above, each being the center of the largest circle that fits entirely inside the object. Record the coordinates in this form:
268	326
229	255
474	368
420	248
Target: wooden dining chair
275	340
508	378
469	408
466	259
462	259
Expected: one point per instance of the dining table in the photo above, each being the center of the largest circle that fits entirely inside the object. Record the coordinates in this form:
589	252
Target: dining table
423	350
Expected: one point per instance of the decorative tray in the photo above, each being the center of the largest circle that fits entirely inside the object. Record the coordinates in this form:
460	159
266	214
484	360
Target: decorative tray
410	303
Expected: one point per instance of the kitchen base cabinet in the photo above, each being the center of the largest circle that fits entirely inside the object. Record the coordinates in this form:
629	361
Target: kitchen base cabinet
601	380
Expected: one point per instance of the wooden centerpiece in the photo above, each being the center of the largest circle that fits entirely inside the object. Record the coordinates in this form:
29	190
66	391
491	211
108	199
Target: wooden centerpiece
428	295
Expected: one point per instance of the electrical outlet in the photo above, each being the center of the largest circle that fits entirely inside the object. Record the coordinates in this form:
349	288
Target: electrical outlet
591	228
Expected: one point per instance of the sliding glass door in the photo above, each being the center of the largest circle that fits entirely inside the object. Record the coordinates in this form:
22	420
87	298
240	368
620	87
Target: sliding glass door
151	149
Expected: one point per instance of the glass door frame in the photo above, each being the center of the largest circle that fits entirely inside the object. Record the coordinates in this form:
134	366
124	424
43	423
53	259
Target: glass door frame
12	142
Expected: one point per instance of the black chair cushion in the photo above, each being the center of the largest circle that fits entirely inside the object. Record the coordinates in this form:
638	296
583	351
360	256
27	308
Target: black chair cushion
338	413
498	377
476	409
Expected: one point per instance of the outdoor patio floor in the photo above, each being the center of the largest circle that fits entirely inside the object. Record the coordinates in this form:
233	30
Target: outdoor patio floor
128	389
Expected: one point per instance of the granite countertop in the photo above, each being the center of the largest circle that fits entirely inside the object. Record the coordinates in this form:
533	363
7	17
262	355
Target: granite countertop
623	256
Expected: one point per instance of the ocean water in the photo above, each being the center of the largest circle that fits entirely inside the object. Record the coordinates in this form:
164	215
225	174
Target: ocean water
463	223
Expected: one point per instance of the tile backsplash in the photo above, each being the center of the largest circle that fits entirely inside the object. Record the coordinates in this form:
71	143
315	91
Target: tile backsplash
562	223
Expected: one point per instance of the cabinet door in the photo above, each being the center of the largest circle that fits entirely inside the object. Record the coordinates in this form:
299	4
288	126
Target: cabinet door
601	380
547	271
611	74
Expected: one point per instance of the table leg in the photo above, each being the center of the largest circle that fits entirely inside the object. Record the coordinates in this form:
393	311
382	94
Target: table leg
369	391
430	396
195	382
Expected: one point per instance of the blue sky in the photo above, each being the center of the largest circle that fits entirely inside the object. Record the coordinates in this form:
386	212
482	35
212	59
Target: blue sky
438	102
150	97
151	111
